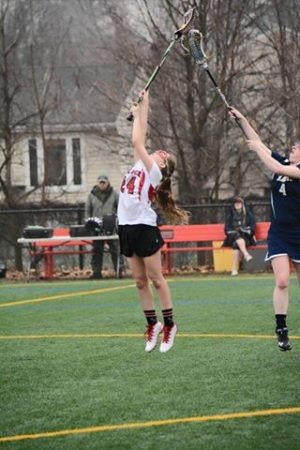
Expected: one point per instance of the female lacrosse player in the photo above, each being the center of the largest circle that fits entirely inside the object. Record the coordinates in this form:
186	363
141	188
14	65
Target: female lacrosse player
140	238
284	232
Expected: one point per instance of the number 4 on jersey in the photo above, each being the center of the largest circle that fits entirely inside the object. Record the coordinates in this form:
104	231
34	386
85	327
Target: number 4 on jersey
282	189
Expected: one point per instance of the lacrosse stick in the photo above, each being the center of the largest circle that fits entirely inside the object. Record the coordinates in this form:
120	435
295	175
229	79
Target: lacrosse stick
188	19
195	43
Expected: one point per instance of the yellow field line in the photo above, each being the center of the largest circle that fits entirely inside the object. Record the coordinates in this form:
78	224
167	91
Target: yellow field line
153	423
69	294
138	335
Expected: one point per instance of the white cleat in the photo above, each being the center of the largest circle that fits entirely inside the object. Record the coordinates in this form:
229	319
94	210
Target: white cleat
152	334
169	334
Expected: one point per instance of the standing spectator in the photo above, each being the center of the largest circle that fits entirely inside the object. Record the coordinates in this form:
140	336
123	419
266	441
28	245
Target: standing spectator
101	201
140	238
284	231
239	229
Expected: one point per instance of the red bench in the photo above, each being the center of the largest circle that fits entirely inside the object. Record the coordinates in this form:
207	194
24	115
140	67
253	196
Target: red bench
201	234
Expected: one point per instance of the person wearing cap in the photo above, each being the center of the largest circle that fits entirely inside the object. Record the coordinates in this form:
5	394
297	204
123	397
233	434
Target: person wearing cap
284	232
103	201
240	233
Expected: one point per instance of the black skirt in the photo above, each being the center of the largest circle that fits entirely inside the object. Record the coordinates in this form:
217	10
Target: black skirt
230	240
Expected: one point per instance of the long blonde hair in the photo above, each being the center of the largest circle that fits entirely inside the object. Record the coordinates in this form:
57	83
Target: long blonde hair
164	197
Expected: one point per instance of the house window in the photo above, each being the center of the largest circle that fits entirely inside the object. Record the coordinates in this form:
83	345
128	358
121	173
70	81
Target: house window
55	162
33	162
76	153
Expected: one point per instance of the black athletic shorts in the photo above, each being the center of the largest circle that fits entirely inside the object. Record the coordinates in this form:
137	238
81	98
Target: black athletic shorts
140	240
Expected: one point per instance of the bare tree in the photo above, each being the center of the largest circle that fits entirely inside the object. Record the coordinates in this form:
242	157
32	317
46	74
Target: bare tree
12	33
188	116
248	45
45	49
29	85
29	92
252	50
280	29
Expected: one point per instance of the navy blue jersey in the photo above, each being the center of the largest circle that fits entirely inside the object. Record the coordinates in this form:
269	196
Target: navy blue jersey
285	197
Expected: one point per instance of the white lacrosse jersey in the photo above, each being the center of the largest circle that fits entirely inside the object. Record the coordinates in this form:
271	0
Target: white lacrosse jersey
137	194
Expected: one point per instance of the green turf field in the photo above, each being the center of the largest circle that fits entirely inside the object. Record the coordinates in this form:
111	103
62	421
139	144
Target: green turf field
74	373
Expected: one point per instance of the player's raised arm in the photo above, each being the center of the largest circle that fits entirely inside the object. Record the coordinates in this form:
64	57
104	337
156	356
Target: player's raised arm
139	130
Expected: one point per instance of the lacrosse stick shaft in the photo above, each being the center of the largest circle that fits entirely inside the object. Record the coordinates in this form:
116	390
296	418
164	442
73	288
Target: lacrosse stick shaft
222	96
159	66
188	19
195	45
154	75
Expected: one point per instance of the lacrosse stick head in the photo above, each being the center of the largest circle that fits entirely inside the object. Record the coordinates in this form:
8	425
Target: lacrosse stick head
189	18
194	45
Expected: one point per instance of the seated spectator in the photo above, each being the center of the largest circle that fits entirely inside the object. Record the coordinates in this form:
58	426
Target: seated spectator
239	230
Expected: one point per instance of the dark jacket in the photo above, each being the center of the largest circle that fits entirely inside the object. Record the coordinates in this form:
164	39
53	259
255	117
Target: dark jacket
239	225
